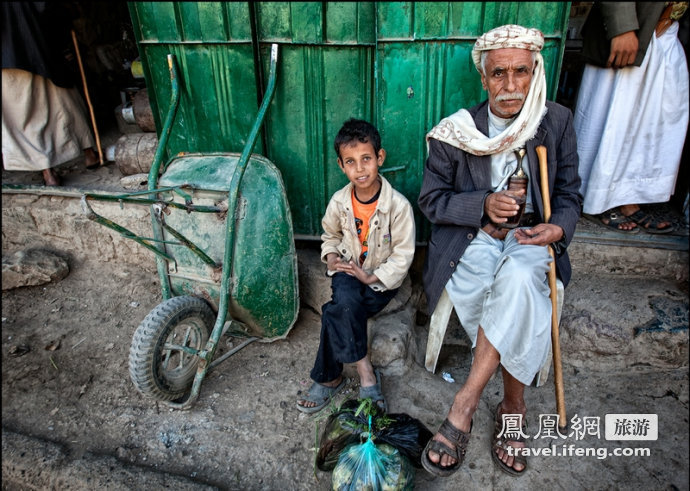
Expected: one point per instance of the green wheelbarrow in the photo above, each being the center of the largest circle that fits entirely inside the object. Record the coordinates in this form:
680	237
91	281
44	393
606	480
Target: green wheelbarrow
242	282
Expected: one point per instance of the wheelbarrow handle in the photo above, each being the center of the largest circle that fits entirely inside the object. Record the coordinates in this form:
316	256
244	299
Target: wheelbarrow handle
212	344
161	265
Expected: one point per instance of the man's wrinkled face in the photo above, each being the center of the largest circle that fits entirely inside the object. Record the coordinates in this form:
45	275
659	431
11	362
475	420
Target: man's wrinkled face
507	77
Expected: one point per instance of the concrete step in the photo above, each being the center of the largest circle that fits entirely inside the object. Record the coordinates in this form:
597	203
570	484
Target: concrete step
42	216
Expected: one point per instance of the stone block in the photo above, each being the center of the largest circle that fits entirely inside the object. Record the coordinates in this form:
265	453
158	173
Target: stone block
32	267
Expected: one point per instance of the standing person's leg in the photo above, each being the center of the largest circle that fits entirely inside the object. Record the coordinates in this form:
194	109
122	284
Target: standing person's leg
50	177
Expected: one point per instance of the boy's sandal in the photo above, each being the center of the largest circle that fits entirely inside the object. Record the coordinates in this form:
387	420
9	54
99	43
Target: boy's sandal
374	392
458	438
320	395
502	443
649	223
613	218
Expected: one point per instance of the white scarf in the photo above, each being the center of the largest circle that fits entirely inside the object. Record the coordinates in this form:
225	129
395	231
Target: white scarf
459	129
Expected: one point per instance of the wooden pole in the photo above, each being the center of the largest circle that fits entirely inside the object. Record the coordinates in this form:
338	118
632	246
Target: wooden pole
555	339
88	99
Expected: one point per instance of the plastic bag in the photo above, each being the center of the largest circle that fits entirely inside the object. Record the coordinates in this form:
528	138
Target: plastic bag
407	434
345	426
369	466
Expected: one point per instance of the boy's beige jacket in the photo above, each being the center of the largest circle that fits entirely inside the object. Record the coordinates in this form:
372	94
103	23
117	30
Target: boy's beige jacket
391	235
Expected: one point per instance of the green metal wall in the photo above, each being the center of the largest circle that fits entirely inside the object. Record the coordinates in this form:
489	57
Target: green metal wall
401	65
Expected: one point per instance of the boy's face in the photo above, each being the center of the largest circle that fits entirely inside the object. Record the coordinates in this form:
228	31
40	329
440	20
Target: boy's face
360	164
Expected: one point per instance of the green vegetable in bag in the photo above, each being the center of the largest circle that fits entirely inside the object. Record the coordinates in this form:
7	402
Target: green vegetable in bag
344	428
369	466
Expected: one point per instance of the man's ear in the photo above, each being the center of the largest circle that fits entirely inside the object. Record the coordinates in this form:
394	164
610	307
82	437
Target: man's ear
381	157
340	162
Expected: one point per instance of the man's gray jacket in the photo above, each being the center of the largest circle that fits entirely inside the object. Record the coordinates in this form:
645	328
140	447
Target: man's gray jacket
455	184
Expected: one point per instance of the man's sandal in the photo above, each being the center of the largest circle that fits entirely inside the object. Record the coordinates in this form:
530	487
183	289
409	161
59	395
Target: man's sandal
614	218
320	395
649	223
502	443
458	438
374	393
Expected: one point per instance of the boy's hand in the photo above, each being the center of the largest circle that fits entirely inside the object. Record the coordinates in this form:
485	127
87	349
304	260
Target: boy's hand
336	263
332	262
353	269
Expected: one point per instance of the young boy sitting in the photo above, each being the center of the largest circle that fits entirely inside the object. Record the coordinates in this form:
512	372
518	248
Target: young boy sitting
368	245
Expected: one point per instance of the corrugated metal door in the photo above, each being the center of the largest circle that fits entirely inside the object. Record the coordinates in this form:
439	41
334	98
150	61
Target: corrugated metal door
401	65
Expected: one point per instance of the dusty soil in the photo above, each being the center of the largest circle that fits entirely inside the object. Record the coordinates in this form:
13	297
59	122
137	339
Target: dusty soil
72	387
65	380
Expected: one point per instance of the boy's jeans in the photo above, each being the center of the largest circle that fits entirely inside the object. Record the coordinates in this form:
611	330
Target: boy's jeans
344	325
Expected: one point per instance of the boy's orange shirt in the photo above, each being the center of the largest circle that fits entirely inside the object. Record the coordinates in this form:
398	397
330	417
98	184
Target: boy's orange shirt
363	212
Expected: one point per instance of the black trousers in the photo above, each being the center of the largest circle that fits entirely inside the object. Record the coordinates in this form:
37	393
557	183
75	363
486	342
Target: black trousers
344	325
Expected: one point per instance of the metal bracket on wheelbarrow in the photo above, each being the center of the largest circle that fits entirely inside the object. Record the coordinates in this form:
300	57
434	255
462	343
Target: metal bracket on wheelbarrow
158	206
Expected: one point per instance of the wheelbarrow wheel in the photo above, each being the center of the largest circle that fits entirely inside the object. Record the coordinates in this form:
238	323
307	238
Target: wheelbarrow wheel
158	364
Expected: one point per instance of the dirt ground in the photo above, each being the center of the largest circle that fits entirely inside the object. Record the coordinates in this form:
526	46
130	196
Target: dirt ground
65	379
65	382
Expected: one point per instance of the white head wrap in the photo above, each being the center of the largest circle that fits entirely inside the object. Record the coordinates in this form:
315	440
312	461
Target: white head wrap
459	129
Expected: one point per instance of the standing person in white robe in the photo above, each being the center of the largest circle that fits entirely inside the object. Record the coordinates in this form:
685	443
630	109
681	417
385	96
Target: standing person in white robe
632	112
44	119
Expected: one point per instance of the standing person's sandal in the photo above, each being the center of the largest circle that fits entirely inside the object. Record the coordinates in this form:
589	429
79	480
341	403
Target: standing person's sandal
614	218
650	223
458	438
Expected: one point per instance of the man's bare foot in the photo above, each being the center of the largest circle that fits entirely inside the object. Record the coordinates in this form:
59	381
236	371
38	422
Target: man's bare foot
50	178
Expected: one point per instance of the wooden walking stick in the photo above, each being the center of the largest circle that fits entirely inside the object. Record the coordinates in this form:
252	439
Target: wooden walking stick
88	99
555	340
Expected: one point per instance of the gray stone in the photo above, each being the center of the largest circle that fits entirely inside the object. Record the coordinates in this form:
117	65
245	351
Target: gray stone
32	267
135	181
314	285
391	341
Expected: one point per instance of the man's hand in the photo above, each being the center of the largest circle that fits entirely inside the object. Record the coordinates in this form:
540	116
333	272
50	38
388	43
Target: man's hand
623	50
542	234
499	206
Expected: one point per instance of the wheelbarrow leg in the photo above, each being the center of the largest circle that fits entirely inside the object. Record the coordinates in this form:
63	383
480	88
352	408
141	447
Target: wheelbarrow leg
203	368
